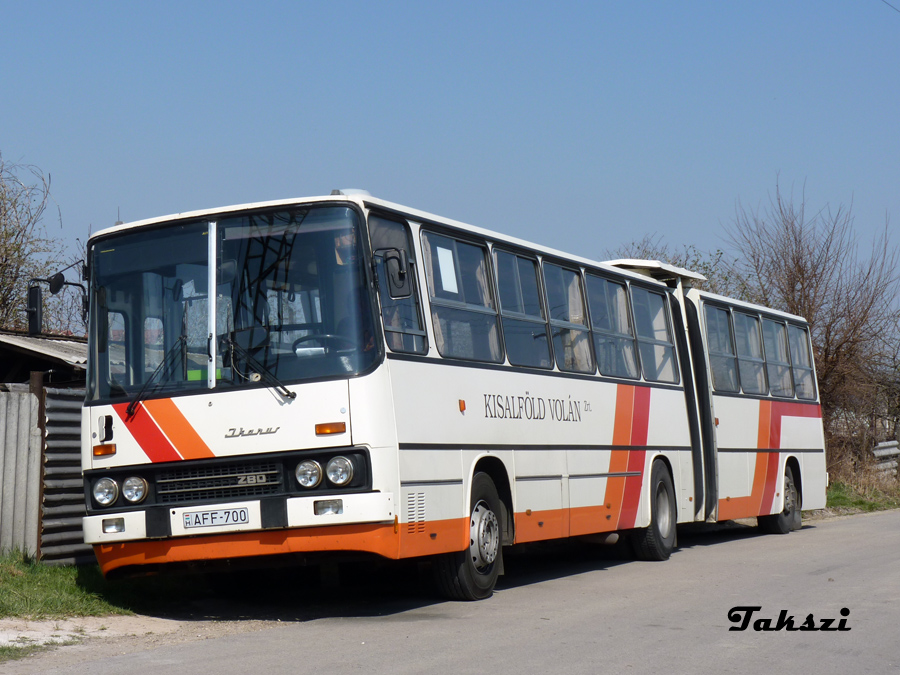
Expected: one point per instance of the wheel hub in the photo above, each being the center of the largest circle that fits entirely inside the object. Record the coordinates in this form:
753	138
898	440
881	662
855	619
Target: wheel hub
484	536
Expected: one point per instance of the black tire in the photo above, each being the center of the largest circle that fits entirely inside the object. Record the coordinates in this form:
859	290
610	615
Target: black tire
657	541
789	518
472	574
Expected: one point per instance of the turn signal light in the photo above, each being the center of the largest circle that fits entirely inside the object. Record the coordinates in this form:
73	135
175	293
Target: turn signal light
104	449
331	428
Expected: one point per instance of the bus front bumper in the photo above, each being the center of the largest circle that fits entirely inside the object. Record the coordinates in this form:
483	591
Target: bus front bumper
239	516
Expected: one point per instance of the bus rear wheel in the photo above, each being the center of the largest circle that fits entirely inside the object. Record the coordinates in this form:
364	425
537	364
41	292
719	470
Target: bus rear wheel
789	518
472	574
657	541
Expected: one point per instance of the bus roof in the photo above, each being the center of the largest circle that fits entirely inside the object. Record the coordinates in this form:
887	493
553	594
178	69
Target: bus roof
646	270
740	304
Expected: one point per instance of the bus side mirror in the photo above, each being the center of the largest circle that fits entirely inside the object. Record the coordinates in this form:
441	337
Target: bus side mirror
35	310
396	267
57	281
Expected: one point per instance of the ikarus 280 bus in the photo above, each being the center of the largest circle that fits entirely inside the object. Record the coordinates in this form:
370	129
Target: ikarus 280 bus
345	374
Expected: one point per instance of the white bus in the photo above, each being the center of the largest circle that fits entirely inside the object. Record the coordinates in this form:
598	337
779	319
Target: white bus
345	374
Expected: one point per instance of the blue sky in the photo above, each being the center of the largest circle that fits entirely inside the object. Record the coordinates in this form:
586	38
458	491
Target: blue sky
579	125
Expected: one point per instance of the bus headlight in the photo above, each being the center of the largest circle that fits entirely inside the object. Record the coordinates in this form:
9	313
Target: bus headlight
134	489
339	470
308	473
106	491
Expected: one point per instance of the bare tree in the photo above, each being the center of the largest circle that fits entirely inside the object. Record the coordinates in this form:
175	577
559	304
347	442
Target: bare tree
26	251
811	264
711	264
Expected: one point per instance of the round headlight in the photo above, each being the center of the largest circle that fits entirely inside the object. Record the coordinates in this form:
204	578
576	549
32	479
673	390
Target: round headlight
106	491
339	470
134	489
308	473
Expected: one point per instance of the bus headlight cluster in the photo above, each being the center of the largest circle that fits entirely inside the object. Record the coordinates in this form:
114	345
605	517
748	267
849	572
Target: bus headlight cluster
106	491
134	489
309	473
338	470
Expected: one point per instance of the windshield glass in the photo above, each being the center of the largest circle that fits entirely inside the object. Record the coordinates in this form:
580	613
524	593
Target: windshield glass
291	303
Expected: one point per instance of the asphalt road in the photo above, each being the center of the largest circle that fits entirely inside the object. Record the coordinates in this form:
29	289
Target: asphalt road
570	608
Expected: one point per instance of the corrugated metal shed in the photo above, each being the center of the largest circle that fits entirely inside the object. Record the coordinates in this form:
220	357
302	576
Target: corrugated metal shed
71	352
62	358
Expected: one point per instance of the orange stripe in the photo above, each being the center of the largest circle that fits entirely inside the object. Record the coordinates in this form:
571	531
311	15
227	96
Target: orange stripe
759	481
624	415
618	459
590	520
540	525
373	538
179	431
746	507
433	537
765	422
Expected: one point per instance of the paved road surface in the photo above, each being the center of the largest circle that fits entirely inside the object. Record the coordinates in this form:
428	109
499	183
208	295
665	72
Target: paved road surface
568	609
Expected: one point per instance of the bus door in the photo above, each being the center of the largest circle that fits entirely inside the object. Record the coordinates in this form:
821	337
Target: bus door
709	460
693	405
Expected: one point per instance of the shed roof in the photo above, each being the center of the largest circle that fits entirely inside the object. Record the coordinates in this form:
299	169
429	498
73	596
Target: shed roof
70	351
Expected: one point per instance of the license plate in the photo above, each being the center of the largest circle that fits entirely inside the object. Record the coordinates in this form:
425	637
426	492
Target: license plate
216	517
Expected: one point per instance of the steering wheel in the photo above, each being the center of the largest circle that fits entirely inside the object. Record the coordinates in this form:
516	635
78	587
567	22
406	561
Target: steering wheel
325	337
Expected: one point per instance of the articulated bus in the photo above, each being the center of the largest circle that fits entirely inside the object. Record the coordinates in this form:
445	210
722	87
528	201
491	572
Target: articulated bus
344	375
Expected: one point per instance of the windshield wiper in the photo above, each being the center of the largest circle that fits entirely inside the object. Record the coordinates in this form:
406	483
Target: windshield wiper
132	407
263	372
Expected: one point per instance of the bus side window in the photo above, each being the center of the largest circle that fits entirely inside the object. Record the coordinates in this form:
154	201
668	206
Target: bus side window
751	362
403	327
722	362
802	363
568	319
778	363
654	335
116	348
462	308
611	323
524	324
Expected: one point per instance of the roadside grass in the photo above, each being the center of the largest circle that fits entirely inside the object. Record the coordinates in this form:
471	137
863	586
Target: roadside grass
863	497
19	651
34	591
25	648
30	589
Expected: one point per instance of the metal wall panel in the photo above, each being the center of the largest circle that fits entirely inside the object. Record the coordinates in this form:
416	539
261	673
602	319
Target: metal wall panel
20	467
62	538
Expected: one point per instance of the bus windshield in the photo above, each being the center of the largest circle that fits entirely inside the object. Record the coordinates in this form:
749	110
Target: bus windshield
291	303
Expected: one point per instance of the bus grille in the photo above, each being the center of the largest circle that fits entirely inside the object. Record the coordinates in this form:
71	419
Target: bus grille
224	481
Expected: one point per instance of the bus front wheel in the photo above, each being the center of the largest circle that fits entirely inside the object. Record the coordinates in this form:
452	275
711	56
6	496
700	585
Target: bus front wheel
657	541
789	518
472	574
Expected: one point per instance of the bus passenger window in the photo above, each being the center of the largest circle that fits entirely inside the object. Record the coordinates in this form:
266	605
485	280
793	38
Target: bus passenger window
403	326
524	325
611	323
568	319
722	363
654	337
462	307
751	362
803	371
778	363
